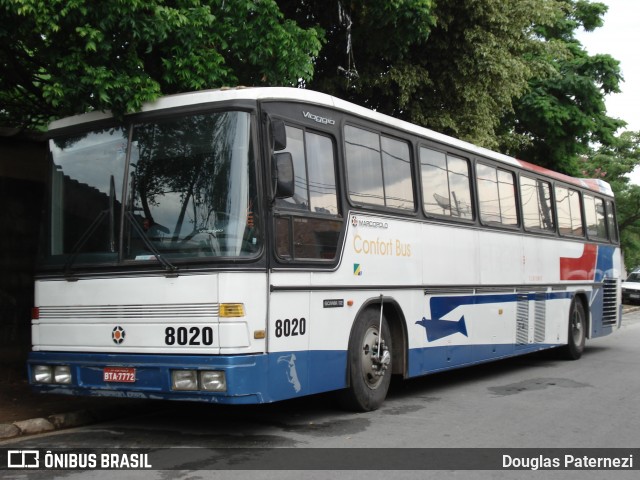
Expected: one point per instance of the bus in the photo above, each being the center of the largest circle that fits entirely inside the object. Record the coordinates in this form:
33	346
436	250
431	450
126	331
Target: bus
251	245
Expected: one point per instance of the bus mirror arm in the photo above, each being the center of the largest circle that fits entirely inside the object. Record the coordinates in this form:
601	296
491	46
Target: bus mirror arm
283	175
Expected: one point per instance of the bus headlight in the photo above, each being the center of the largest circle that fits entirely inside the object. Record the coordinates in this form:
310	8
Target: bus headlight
42	374
207	380
184	380
213	380
62	374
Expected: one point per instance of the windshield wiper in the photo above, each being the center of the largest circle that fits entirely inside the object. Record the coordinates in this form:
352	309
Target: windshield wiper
75	251
149	244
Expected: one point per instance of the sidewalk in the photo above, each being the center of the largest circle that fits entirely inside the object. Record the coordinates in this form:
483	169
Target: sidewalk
24	412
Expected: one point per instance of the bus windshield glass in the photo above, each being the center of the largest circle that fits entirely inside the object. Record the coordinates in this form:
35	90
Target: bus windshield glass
180	189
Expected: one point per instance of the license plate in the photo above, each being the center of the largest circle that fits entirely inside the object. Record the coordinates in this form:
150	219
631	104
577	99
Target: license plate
634	295
119	374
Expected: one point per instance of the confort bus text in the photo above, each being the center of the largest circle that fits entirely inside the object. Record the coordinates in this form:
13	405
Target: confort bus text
381	247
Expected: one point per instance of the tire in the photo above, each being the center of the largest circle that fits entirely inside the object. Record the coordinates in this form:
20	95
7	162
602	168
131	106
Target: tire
577	331
369	375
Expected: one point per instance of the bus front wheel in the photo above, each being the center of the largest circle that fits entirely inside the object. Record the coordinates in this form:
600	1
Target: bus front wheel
369	363
577	331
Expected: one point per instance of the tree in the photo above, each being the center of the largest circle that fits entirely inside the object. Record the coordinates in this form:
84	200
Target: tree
63	57
563	113
367	40
613	163
448	65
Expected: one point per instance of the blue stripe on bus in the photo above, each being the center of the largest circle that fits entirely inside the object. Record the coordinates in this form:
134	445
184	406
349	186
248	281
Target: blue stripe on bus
256	378
440	306
604	262
260	378
423	361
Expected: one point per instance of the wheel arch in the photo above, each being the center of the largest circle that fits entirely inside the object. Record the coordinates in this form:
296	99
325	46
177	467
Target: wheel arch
398	326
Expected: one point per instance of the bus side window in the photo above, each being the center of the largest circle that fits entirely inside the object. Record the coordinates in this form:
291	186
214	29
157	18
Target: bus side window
497	196
445	184
378	169
569	211
612	225
307	225
595	217
537	209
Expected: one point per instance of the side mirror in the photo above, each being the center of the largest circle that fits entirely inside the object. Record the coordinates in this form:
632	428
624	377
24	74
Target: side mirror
278	135
283	175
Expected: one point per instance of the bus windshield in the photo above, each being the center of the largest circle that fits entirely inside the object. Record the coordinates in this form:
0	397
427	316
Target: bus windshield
171	189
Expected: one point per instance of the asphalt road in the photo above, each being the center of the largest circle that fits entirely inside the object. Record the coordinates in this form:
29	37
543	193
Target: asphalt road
537	401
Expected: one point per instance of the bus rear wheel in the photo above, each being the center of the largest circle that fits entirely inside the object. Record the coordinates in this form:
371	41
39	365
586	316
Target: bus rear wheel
369	363
577	331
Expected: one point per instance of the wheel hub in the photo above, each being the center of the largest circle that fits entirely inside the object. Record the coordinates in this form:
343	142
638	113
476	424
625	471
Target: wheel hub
375	358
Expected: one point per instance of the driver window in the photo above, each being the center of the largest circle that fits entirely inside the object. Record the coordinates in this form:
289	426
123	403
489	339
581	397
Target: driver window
307	225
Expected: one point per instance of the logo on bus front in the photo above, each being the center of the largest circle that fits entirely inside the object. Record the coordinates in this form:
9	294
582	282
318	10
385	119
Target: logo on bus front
117	335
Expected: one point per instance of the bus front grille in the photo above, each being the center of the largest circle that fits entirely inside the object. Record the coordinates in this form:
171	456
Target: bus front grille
129	311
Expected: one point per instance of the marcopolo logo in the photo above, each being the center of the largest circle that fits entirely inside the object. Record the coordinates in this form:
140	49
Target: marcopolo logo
357	222
319	119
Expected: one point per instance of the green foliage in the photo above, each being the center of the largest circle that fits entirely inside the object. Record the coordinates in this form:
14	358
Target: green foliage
449	65
62	57
563	113
478	59
370	48
613	163
630	242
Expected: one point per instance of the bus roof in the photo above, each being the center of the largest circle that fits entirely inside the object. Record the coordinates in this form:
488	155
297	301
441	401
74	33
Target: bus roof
321	99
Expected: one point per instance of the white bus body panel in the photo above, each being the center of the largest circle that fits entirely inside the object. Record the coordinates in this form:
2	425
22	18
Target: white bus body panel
489	293
83	315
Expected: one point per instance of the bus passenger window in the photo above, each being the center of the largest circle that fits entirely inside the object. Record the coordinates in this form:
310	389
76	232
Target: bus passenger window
611	222
497	196
396	168
536	204
445	184
378	169
569	212
595	217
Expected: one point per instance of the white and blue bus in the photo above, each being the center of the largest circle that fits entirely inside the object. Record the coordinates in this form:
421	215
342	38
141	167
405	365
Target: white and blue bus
253	245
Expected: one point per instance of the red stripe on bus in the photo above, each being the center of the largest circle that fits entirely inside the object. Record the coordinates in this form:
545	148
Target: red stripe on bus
581	268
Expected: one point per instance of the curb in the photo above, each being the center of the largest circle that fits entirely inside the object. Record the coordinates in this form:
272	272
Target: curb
61	421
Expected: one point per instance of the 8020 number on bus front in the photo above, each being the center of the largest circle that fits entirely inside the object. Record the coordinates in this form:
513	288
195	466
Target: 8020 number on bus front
188	336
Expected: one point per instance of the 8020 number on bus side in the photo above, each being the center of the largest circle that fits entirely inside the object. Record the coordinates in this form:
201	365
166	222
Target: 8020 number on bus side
291	327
